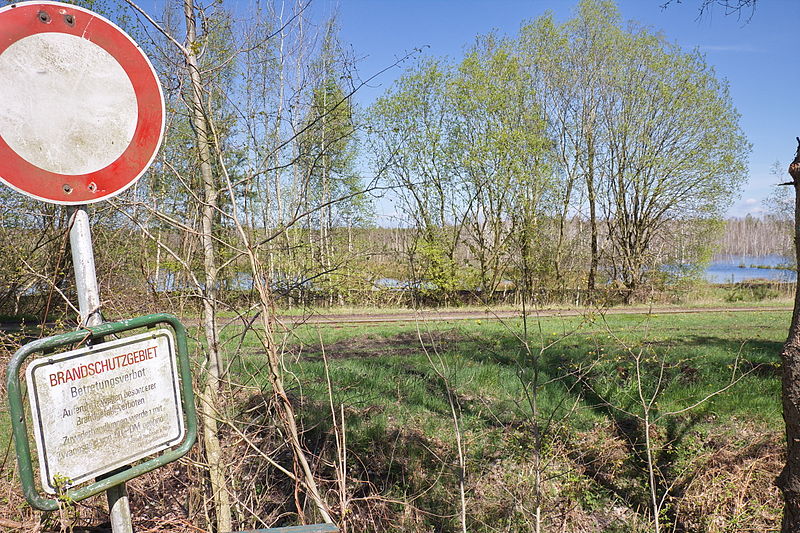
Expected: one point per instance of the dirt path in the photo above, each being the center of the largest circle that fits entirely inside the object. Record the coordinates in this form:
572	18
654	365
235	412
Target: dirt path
405	317
455	315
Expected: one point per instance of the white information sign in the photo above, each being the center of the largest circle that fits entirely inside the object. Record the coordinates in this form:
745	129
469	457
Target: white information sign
98	408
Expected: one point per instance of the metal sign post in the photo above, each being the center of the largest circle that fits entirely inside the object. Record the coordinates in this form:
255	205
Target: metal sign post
80	240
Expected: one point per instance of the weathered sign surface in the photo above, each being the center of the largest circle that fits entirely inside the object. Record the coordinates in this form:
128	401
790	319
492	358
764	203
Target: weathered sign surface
81	108
98	408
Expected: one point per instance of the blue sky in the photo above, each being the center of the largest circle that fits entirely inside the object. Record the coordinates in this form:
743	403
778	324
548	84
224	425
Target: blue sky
757	55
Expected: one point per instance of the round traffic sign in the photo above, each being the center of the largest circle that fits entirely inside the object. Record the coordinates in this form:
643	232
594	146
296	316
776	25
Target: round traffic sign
81	108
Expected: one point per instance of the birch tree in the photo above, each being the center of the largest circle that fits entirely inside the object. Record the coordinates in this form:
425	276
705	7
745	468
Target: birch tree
220	214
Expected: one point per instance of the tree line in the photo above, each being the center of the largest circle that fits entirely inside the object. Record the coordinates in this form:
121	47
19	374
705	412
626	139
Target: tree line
592	119
586	153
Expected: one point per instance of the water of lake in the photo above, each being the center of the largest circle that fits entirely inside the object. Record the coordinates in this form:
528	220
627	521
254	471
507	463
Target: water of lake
723	269
738	268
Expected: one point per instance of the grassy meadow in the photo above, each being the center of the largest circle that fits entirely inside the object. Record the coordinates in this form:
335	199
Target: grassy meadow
573	422
546	413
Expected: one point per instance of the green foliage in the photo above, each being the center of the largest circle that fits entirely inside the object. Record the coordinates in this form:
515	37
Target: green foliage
495	151
463	146
328	153
749	292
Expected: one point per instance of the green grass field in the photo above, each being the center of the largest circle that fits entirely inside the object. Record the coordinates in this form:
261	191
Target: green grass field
558	410
393	366
573	391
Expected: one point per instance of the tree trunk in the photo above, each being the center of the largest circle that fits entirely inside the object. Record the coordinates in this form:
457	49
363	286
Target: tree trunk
209	395
592	198
305	476
789	479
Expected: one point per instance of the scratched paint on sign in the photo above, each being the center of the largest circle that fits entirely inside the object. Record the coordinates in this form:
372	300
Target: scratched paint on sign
99	408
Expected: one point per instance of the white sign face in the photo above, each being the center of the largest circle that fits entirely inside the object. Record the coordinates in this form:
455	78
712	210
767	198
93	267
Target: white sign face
81	108
66	105
97	409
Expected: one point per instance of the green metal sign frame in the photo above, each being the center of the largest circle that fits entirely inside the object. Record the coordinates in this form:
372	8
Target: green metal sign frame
20	427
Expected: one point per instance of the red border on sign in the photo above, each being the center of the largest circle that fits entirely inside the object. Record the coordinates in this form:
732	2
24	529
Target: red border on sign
18	21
